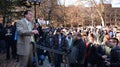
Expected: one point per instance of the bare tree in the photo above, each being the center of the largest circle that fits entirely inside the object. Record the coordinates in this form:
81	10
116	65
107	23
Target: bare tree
99	7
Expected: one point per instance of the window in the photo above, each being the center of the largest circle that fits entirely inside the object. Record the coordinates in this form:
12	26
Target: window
118	19
112	19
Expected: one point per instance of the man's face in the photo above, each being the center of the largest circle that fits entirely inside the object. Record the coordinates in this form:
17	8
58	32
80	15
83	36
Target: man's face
69	36
50	33
57	33
29	16
8	24
112	43
91	39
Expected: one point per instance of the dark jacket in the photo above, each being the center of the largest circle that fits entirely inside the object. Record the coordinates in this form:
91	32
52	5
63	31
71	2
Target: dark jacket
115	57
101	52
93	58
63	44
2	32
38	36
49	41
9	33
77	54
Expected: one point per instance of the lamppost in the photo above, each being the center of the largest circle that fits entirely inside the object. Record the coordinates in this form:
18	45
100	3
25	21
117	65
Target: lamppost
35	3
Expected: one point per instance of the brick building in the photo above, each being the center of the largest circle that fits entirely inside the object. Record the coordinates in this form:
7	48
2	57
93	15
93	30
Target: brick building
112	14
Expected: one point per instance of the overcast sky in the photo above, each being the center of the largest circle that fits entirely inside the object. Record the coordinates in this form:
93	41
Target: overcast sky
115	3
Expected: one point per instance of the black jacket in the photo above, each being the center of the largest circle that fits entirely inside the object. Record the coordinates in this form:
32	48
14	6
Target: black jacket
77	54
9	33
93	57
49	41
115	57
2	32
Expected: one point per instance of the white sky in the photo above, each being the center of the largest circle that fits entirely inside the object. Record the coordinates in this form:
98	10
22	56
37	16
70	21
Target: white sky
115	3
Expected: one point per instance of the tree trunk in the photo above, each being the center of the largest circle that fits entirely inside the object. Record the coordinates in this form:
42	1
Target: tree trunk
102	21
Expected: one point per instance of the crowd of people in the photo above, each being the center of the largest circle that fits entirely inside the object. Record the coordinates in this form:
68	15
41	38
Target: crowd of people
86	47
83	46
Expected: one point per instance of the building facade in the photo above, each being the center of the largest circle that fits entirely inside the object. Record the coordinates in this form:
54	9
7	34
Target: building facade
111	15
